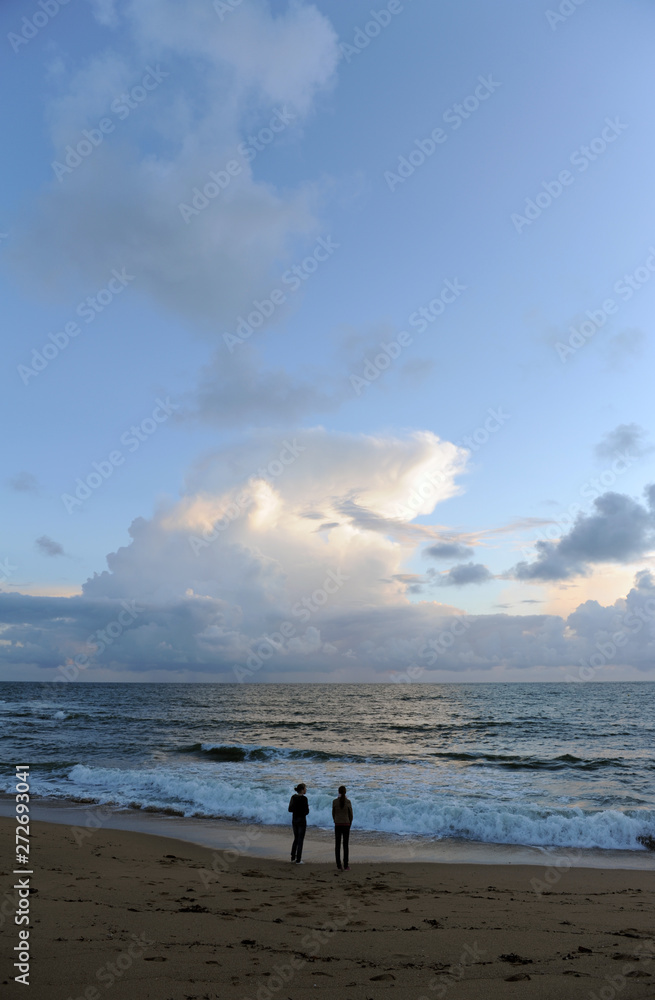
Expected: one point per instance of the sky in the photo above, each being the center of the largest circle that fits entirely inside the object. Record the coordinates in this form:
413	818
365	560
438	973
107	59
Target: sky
328	341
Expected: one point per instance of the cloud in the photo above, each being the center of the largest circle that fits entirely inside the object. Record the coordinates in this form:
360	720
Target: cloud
644	580
234	389
48	547
412	582
24	482
238	554
253	498
623	347
234	581
105	12
620	531
235	578
415	372
626	439
274	58
219	82
220	574
447	550
464	574
208	637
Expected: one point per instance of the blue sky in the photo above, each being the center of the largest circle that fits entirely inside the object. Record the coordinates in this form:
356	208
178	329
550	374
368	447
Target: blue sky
557	92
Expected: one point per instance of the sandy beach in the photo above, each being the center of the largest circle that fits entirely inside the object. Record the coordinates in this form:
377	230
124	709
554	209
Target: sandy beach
133	915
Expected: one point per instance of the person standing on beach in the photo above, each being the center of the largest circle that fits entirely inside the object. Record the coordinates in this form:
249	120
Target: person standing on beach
342	814
298	807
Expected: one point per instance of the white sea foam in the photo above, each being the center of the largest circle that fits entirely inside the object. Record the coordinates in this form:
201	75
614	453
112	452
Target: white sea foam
410	811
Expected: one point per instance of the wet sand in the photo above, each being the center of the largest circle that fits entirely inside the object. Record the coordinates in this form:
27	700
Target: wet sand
130	915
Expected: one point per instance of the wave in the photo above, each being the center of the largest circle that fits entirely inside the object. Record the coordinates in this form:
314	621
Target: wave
409	811
513	762
238	753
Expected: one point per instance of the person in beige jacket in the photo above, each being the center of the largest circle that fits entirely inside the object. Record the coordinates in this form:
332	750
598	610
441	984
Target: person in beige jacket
342	814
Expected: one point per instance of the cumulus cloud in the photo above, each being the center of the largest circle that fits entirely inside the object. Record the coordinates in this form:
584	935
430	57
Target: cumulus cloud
464	574
245	530
620	530
239	553
48	547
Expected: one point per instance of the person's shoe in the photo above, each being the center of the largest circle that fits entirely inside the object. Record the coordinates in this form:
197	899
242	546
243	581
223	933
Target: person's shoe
339	868
299	862
347	868
293	861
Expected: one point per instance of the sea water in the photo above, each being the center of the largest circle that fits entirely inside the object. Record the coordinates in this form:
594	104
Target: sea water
550	765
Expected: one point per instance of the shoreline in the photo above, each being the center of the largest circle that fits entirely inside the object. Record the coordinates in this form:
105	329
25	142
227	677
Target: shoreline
272	842
155	917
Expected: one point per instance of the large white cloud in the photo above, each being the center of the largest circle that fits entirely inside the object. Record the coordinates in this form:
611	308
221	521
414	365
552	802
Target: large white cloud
262	522
313	528
287	558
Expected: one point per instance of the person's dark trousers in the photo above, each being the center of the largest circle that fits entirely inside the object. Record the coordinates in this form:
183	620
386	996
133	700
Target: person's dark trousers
299	827
341	833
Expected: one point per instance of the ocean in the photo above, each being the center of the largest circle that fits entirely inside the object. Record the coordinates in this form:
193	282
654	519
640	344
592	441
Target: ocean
550	765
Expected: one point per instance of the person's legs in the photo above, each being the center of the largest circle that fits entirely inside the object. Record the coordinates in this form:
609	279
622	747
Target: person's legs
302	826
346	837
337	845
294	846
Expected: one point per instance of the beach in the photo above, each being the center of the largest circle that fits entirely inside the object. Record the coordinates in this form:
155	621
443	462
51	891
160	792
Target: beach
129	914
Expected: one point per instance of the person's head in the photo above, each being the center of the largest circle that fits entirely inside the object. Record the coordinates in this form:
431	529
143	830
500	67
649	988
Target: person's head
342	794
301	789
